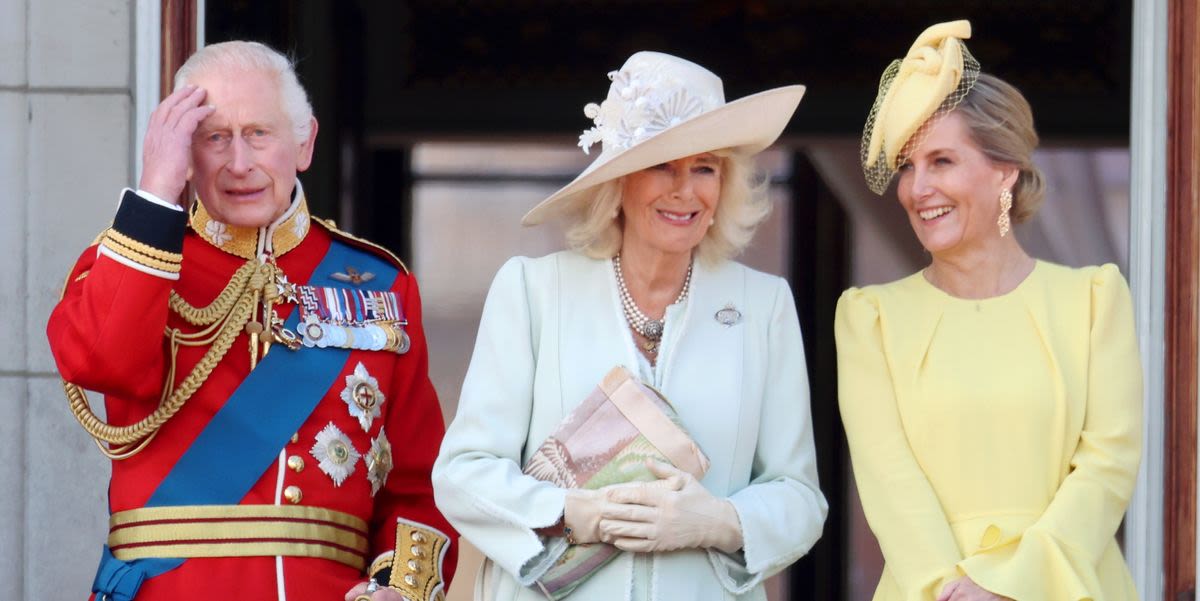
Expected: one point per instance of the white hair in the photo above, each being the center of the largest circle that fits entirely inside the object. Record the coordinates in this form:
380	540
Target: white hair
255	56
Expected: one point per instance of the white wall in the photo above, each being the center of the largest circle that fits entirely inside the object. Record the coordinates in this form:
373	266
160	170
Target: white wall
65	105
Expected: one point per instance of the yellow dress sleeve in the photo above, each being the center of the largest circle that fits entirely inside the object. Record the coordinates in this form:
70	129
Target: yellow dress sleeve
899	502
1056	557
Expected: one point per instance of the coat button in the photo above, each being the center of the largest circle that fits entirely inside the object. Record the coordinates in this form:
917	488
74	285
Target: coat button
293	494
296	463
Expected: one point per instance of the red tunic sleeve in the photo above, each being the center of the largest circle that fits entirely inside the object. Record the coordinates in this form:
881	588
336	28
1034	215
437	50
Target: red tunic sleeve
106	333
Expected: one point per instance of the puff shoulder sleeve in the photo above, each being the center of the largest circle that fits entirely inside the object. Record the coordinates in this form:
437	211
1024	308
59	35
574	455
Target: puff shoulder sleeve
900	504
1056	557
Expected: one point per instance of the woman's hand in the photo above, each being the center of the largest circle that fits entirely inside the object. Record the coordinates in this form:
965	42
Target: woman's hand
581	514
584	508
965	589
380	593
676	512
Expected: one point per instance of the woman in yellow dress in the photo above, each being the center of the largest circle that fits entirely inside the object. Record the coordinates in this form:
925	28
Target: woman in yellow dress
992	401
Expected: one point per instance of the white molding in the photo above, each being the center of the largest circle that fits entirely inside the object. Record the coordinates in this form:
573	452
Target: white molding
147	59
1147	267
200	7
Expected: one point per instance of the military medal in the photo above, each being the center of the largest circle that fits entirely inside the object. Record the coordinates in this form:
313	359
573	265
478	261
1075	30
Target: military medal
405	342
334	453
362	396
379	462
369	320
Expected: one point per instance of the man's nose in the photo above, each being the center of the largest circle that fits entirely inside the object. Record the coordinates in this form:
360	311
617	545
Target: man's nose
242	159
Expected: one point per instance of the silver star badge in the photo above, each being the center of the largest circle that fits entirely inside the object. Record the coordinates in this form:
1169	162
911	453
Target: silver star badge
362	396
334	453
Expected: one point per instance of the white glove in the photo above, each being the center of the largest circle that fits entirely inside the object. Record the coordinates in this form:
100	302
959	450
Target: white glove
676	512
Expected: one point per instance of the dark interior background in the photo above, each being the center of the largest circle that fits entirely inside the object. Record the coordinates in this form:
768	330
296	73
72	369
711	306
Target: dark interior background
384	75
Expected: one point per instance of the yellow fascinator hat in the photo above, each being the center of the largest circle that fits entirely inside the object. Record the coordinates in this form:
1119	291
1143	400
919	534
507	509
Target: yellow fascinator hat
929	81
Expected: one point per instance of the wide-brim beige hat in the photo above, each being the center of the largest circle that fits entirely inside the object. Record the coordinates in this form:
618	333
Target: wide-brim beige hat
661	108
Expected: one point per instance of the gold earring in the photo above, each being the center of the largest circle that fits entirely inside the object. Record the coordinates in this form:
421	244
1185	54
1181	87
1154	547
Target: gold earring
1006	200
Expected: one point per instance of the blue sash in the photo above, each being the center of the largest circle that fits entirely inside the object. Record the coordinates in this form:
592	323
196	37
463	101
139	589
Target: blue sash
254	424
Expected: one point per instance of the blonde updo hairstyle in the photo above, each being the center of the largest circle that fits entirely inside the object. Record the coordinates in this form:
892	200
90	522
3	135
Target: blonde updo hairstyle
1000	123
744	203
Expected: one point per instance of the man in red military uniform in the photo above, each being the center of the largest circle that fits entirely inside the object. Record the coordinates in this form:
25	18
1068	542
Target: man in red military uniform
270	416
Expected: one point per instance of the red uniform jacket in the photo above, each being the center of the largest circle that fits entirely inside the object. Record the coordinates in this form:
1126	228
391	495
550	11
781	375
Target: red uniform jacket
107	335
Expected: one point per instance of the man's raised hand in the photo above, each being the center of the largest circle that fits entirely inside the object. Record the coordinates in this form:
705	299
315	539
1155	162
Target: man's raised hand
166	152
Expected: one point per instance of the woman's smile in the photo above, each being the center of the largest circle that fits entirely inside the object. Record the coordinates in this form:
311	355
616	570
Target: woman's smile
678	218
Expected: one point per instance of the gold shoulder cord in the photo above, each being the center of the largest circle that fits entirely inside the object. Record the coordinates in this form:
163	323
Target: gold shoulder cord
223	320
333	229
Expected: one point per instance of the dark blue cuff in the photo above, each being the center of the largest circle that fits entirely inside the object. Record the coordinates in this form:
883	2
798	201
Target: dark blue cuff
150	223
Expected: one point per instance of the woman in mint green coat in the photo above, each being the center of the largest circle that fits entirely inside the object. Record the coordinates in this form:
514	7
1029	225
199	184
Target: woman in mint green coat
649	285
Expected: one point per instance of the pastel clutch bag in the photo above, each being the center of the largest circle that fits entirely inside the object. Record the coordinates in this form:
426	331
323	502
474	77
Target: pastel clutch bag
606	440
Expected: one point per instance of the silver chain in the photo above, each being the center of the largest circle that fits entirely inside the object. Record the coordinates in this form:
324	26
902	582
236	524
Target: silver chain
652	329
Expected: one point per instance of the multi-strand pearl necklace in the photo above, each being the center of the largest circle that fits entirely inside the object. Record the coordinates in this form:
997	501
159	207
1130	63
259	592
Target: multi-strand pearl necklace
651	329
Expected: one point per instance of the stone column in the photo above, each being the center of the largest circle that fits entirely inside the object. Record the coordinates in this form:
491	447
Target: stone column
65	106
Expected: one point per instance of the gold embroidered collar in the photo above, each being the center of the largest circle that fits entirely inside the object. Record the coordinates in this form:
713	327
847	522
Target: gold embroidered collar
277	238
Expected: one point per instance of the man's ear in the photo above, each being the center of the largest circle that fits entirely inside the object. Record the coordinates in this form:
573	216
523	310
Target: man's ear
304	157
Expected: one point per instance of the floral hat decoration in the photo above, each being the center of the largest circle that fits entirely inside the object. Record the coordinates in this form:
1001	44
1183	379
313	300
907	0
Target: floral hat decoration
930	81
661	108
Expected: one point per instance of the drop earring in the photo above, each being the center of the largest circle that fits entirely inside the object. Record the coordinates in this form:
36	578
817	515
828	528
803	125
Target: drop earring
1004	222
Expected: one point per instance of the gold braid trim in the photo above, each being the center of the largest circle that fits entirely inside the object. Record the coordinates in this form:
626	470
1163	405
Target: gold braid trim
225	319
381	563
139	258
220	306
141	248
417	562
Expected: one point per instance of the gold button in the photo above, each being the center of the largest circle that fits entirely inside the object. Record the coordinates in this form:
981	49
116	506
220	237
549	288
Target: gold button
296	438
418	537
417	551
413	565
296	463
293	494
409	580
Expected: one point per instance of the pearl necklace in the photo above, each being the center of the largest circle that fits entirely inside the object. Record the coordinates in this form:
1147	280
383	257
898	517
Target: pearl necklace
651	329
